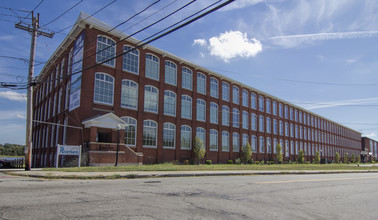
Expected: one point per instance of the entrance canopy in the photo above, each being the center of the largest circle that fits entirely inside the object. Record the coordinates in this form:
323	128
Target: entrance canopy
109	120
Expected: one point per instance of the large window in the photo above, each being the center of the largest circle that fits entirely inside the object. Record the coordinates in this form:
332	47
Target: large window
187	78
213	140
261	103
151	97
213	113
169	103
105	50
275	126
274	108
103	89
225	141
254	143
267	103
262	145
286	112
269	145
201	134
130	131
170	73
235	117
129	94
152	67
286	129
225	115
186	137
201	110
225	91
169	133
235	142
245	120
214	88
201	83
280	110
186	107
245	98
253	101
149	133
253	122
244	139
261	123
291	130
268	125
130	60
235	94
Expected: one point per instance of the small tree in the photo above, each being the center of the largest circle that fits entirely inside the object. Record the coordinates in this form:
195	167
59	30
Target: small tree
358	158
300	156
317	157
346	159
353	158
337	157
246	152
198	149
279	156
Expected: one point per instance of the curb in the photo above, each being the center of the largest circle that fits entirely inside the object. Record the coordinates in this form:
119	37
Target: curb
164	175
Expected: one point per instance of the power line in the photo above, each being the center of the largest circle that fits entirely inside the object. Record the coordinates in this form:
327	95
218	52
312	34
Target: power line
14	16
22	59
62	14
34	9
88	16
14	9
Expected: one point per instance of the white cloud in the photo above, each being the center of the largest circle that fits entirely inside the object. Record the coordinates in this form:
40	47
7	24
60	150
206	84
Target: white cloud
294	40
14	96
6	38
13	133
340	103
233	44
371	135
241	4
201	42
12	114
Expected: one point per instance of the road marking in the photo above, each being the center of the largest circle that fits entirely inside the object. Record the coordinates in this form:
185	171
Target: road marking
317	180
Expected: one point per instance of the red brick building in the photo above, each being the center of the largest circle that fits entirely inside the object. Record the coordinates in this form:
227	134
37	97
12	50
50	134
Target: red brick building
159	103
368	149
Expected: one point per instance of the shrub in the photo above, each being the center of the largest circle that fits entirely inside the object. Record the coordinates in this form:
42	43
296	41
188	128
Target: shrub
186	162
337	157
257	162
250	161
230	162
317	157
198	149
209	162
346	159
246	152
279	155
307	162
262	162
300	156
238	161
358	159
353	158
175	162
290	162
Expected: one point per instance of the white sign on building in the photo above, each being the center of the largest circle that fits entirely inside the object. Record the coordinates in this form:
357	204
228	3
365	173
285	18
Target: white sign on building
68	150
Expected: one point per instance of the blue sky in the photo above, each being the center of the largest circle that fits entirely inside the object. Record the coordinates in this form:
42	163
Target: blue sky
320	55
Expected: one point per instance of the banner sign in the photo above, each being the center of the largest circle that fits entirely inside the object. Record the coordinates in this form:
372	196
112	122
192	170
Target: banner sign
68	150
77	66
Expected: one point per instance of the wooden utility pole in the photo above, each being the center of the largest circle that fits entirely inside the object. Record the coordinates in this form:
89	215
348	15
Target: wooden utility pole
29	105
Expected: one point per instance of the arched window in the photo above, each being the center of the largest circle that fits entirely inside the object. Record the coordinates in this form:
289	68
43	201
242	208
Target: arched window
129	94
225	91
235	117
214	88
187	78
151	99
201	110
103	89
186	137
235	94
213	140
245	98
235	142
130	59
186	107
253	121
149	133
225	141
170	73
169	134
130	131
105	50
169	103
152	67
201	134
245	120
213	113
261	103
225	115
201	83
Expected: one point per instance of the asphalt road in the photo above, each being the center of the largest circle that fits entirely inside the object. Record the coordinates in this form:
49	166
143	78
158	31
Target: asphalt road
317	196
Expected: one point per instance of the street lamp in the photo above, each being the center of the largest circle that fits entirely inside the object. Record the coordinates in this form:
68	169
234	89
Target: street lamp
118	128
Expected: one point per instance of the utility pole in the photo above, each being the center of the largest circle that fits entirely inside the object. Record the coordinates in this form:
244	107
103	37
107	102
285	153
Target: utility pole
29	104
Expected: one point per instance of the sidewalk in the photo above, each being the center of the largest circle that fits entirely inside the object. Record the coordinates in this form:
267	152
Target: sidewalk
151	174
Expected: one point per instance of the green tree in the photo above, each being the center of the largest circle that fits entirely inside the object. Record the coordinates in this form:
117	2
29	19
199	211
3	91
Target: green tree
353	158
300	156
346	159
279	156
317	157
358	158
337	157
198	149
246	153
